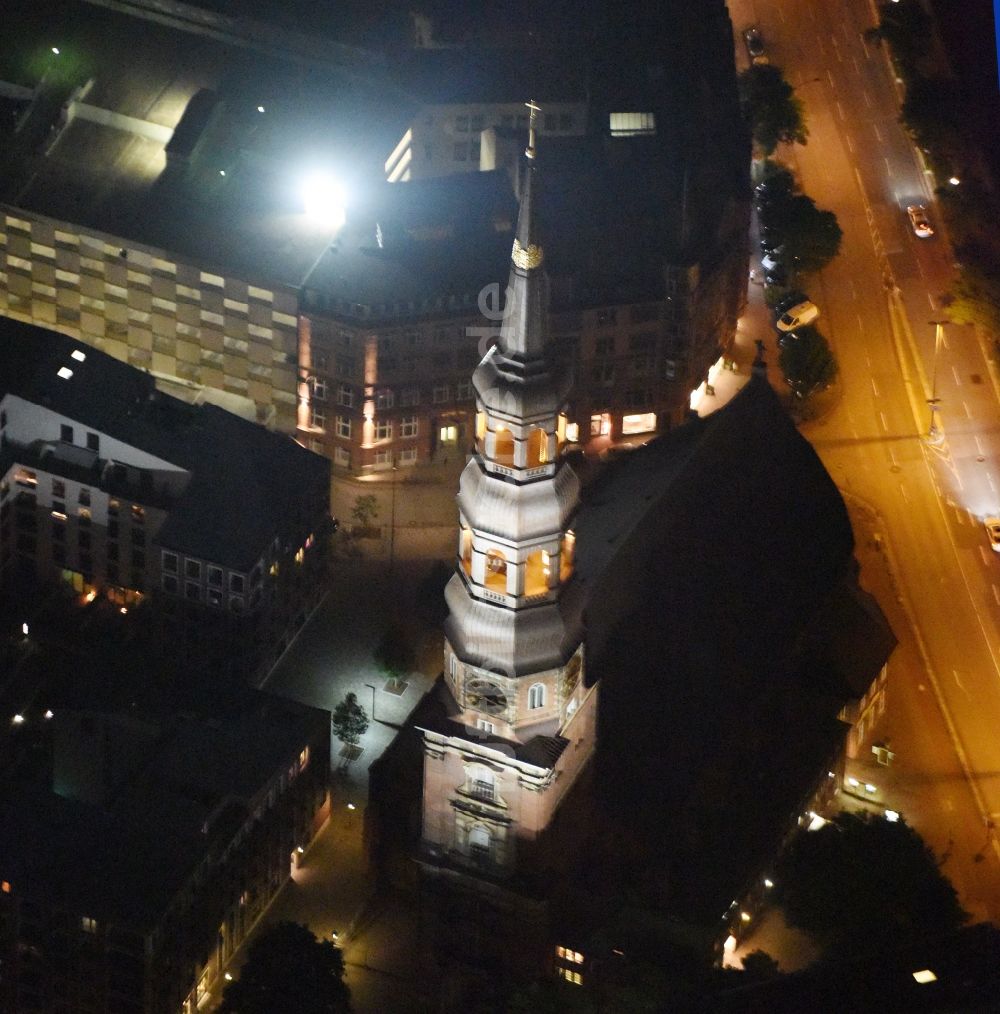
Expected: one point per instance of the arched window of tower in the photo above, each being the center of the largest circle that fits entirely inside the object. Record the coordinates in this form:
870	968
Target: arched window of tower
480	843
538	448
503	446
482	783
536	696
465	551
496	571
566	552
536	573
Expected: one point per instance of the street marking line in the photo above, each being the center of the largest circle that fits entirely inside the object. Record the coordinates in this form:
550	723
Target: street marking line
868	98
885	425
829	76
781	14
902	489
982	553
857	66
822	48
874	386
840	109
965	405
877	132
954	373
989	479
996	593
888	168
836	47
979	445
854	294
930	299
850	143
944	340
958	516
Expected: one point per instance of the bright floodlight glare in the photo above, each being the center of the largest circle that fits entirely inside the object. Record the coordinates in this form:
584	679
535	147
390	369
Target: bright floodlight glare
323	198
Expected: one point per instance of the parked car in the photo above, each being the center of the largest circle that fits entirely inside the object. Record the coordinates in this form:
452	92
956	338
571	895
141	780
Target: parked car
993	532
789	300
755	44
918	220
795	316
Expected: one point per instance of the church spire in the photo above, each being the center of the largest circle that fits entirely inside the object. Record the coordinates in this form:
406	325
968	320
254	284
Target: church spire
524	331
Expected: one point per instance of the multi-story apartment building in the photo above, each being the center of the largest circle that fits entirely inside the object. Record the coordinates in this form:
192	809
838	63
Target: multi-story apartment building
117	489
130	885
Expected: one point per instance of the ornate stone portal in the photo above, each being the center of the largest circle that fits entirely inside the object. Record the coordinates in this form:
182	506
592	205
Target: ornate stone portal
523	721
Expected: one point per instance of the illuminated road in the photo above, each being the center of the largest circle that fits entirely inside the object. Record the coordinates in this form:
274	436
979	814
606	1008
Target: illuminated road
877	298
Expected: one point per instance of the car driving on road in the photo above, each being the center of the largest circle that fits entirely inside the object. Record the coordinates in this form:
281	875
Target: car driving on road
918	220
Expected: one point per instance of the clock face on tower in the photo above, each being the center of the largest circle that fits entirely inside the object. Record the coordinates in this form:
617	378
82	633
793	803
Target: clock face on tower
485	695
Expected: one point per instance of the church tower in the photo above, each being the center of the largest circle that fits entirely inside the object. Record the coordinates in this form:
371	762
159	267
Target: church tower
522	720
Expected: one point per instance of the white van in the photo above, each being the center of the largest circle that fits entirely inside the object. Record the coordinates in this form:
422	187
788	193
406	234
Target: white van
798	315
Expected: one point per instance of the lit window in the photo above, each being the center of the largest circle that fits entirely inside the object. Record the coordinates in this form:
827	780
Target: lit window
924	976
304	759
600	425
88	925
572	432
64	373
485	726
78	355
138	514
448	434
632	124
644	422
566	954
25	477
5	886
536	696
570	975
300	555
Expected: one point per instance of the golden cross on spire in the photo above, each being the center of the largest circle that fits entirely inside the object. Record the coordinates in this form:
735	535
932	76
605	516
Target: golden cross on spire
534	110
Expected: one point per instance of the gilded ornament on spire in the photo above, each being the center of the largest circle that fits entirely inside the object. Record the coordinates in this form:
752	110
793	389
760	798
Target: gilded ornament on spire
526	259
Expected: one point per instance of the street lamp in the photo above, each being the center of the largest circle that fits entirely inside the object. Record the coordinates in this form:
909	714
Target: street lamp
934	434
372	689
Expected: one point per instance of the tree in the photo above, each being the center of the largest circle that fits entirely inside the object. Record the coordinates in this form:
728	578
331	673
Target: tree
365	510
975	295
760	966
288	969
349	720
394	652
807	362
810	236
861	881
906	26
932	113
771	108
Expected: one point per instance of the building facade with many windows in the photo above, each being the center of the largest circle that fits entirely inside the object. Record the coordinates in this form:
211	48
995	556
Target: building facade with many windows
116	489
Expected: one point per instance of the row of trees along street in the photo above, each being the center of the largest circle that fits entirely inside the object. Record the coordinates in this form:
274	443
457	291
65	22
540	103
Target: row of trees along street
802	238
934	113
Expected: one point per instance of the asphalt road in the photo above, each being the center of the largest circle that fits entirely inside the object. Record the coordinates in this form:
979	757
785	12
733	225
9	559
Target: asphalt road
926	500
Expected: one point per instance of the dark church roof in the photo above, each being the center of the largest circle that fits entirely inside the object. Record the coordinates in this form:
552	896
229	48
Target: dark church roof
715	565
